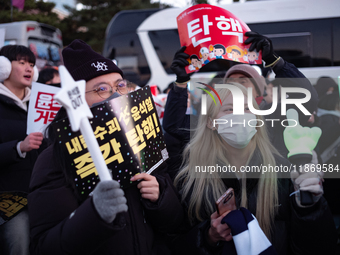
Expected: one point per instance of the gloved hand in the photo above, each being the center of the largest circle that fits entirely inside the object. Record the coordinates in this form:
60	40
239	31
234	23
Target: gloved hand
260	42
299	140
178	65
108	199
310	179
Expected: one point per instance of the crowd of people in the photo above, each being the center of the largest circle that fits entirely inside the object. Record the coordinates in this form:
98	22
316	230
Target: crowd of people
174	210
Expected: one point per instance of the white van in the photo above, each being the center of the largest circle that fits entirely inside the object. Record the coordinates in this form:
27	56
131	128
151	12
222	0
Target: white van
305	33
44	40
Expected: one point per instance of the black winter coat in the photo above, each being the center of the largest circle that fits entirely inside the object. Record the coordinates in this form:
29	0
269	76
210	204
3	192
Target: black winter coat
289	76
60	224
296	230
15	172
330	127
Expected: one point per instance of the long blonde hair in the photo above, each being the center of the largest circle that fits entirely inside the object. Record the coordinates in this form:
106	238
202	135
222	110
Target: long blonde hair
206	148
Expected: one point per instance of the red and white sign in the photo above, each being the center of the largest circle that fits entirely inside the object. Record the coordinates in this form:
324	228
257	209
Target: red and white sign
42	108
210	33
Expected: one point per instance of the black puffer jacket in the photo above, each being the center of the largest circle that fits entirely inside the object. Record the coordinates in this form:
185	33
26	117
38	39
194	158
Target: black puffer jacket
330	126
288	76
60	224
15	172
296	230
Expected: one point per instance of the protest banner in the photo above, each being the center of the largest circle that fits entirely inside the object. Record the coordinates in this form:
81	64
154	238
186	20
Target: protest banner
42	108
210	33
11	203
130	137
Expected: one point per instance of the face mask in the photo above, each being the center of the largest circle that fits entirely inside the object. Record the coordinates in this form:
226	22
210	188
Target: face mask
114	95
239	134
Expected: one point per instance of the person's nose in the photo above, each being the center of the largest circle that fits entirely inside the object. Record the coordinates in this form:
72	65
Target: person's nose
29	68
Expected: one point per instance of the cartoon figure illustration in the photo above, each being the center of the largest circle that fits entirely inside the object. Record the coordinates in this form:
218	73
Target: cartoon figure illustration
195	63
204	54
252	56
219	51
235	52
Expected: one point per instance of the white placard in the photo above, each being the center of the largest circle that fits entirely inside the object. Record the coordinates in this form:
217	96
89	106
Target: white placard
42	107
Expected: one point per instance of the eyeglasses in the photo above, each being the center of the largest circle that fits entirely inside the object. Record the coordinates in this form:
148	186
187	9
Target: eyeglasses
105	90
122	87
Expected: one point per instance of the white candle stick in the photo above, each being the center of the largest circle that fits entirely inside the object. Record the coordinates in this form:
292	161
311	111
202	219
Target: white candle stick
72	97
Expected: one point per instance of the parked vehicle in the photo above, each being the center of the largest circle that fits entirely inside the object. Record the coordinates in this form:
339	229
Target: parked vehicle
44	40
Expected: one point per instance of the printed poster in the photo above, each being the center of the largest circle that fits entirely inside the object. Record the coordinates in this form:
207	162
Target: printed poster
42	108
210	33
129	135
11	203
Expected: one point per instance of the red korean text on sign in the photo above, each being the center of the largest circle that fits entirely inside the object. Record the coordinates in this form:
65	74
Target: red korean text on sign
210	33
46	107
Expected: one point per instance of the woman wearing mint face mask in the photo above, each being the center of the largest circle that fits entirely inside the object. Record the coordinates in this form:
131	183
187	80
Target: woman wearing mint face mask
287	225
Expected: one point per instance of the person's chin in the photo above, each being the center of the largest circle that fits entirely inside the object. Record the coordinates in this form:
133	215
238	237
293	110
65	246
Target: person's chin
26	83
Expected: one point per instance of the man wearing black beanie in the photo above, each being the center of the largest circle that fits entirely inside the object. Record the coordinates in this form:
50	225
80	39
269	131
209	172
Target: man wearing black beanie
103	78
111	221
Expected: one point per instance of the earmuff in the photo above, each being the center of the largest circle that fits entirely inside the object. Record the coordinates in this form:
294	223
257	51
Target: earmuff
6	69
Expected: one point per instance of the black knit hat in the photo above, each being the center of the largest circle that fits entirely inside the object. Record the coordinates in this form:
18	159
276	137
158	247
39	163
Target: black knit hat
83	63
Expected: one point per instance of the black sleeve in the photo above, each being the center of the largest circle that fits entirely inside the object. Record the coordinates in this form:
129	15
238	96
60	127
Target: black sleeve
289	76
58	224
175	120
167	214
194	240
312	229
8	153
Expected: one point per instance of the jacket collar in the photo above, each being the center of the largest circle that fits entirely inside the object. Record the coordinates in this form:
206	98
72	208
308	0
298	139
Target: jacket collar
21	103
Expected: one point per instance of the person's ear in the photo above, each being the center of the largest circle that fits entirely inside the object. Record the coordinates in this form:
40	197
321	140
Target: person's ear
210	124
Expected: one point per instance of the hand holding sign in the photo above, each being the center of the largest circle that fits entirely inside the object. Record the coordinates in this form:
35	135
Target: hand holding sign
148	187
72	97
109	200
178	65
31	142
299	140
262	43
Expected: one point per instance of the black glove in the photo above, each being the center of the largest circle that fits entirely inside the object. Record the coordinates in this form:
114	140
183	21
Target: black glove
178	65
260	42
109	199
